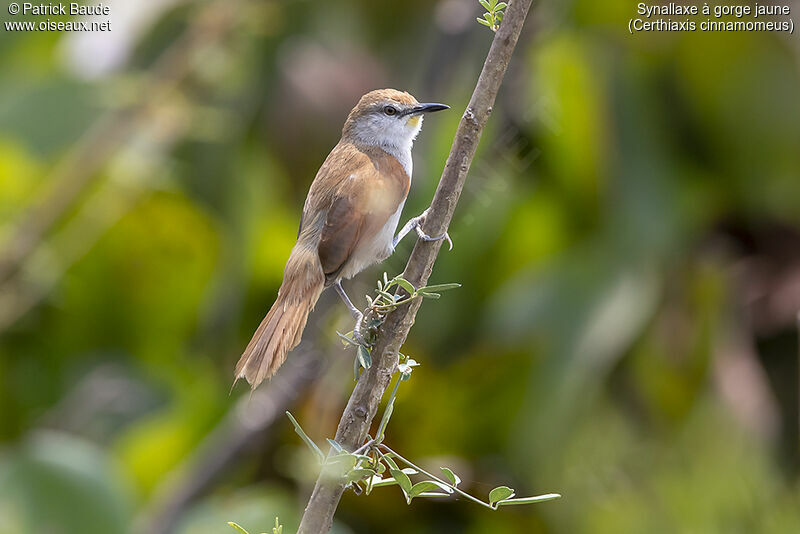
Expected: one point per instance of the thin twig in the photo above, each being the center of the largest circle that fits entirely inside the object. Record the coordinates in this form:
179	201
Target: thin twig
364	447
364	401
434	477
388	413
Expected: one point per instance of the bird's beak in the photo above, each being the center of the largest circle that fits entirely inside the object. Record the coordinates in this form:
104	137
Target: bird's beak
425	108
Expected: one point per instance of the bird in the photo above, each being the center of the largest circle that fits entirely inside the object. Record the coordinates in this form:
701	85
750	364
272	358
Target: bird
348	223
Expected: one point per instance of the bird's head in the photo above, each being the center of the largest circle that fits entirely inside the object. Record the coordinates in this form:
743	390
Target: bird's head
387	118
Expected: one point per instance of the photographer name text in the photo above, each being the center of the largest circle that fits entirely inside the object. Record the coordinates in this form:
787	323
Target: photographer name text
42	12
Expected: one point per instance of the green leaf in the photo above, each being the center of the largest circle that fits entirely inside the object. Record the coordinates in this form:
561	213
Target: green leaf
500	493
402	479
405	284
501	6
344	463
364	357
440	287
529	500
304	436
485	4
434	494
343	457
421	487
391	463
428	295
360	474
237	528
452	477
442	486
388	296
489	24
335	445
278	528
346	339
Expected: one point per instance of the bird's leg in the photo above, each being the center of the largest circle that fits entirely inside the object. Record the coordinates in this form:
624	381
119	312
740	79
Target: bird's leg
404	231
415	223
355	312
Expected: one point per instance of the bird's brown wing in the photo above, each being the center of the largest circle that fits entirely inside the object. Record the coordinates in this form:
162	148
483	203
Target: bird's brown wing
340	235
369	189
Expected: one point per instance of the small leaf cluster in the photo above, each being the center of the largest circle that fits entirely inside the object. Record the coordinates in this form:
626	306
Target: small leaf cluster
277	529
388	298
385	301
494	13
375	465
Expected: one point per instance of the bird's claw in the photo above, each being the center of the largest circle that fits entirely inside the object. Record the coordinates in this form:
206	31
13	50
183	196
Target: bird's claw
419	221
425	237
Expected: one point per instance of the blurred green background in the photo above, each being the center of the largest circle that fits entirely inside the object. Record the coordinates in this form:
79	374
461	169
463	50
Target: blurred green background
628	245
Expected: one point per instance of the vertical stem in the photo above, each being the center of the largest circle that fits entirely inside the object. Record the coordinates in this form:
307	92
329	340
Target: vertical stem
387	413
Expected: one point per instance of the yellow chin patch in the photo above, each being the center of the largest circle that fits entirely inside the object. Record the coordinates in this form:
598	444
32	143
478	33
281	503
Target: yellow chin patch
414	121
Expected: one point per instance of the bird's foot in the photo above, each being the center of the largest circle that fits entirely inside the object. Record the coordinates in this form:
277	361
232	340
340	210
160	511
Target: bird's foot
357	329
355	312
416	224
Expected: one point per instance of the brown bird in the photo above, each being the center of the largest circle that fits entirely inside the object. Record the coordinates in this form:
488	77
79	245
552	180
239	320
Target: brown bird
348	223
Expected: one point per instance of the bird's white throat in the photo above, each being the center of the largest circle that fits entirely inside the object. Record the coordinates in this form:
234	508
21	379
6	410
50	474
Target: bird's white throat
394	136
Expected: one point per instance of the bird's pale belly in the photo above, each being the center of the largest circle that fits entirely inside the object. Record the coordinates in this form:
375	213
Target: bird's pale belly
376	250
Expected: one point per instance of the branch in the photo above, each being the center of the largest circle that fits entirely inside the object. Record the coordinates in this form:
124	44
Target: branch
372	384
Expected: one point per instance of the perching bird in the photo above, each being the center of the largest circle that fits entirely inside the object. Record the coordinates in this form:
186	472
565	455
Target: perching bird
348	222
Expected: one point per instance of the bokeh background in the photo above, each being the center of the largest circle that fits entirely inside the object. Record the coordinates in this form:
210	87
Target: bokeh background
628	245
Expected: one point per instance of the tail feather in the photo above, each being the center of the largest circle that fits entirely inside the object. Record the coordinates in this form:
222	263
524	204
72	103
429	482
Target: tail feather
282	328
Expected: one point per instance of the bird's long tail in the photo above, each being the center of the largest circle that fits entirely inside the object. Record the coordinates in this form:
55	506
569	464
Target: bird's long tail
282	328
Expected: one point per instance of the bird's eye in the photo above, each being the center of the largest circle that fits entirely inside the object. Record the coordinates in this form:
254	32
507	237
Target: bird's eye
390	110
